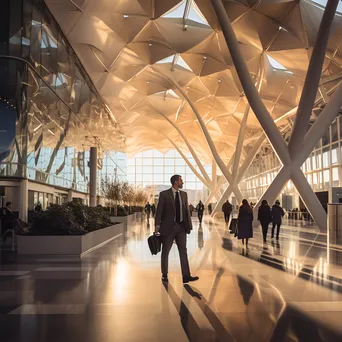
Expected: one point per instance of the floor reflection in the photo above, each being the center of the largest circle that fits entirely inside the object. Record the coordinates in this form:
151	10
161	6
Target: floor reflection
276	291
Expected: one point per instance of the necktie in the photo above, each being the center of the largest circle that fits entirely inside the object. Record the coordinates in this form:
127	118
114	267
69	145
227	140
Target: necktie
177	204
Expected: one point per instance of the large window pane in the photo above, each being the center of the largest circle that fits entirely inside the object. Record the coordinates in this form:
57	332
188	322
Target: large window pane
334	152
326	178
335	179
326	157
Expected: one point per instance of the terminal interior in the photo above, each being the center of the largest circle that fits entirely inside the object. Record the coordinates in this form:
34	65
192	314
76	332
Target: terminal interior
102	102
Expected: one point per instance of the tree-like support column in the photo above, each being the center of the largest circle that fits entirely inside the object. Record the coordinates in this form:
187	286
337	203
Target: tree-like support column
291	156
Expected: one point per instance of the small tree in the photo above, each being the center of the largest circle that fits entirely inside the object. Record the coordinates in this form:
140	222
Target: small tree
112	191
128	193
140	197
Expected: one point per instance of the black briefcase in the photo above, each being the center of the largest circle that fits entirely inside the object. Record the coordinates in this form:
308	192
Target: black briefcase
154	243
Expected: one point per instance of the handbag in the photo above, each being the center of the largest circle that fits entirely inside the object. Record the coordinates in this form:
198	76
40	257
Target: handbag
154	243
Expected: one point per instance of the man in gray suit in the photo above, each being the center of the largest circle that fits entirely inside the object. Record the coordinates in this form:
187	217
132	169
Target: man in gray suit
173	222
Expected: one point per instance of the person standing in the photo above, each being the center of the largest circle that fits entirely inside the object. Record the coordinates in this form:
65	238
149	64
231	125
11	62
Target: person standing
200	210
173	222
245	222
148	210
227	210
277	216
153	209
191	209
38	208
265	217
10	221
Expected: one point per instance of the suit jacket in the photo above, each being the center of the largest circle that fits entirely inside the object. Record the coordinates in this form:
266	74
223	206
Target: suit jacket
166	212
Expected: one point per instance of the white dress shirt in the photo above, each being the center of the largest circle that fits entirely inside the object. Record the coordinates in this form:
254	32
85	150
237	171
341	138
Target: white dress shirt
180	202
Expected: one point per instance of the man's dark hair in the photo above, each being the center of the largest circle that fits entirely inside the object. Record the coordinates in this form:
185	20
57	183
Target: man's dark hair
174	179
8	203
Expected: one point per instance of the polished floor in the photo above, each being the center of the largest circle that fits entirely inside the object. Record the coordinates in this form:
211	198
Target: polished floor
275	291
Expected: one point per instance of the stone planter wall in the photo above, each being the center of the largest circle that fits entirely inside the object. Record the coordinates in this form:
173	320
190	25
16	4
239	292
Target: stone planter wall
126	220
76	245
139	215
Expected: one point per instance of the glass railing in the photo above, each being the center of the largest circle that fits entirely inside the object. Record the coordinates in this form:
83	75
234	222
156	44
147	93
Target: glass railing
18	170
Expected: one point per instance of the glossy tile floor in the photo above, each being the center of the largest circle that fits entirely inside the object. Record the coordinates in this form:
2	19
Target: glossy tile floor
286	291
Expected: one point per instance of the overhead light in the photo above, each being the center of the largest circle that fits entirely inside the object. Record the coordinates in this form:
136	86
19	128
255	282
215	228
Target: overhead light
147	81
125	15
149	44
219	81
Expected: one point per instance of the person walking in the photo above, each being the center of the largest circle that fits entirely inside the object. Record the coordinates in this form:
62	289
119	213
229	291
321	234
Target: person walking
153	209
227	210
277	216
173	222
200	210
148	210
265	217
245	222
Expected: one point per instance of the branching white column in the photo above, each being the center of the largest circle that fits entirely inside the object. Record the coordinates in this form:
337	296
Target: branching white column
320	126
309	198
251	92
191	150
213	174
221	181
242	171
208	138
312	79
291	163
208	185
239	144
206	134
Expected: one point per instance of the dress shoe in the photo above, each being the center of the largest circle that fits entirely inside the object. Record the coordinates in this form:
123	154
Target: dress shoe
188	279
165	278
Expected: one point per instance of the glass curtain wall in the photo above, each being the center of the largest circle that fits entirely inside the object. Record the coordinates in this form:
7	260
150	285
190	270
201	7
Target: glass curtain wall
323	168
48	104
153	169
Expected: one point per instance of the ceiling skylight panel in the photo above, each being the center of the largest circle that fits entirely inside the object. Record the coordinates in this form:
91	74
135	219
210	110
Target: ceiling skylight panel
176	12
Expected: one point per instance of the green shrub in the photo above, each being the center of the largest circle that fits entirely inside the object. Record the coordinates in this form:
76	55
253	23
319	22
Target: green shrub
69	219
122	211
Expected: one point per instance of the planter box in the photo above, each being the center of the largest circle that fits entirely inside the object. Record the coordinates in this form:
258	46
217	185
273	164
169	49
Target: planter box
126	220
76	245
139	215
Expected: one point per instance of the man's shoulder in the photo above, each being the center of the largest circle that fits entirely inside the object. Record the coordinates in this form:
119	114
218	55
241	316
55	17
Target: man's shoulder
164	192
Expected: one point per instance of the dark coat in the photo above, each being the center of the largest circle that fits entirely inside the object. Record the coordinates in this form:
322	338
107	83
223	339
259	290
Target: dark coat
277	213
227	208
200	207
264	214
166	212
245	222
